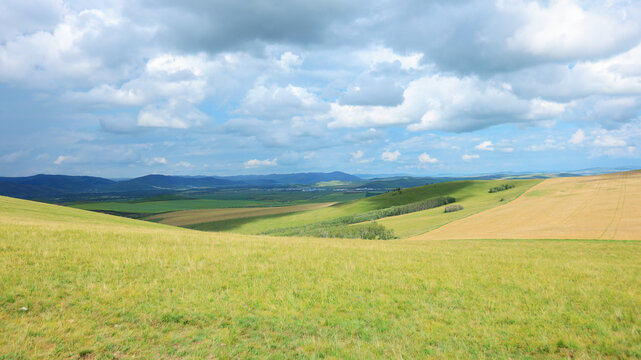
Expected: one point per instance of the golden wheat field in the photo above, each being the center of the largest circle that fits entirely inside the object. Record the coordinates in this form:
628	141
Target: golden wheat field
593	207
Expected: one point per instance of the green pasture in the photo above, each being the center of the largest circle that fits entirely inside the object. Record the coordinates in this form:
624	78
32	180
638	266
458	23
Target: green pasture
155	207
218	200
82	285
472	194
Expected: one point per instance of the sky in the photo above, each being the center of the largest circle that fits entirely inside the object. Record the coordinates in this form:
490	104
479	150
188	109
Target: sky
128	88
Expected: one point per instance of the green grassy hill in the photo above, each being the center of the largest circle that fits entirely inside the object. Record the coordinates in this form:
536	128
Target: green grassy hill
216	200
473	194
77	284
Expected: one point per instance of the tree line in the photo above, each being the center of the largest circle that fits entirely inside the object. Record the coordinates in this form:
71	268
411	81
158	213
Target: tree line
501	188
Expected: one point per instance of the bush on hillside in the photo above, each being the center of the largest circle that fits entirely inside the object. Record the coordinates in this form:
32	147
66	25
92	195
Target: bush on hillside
369	231
501	188
453	208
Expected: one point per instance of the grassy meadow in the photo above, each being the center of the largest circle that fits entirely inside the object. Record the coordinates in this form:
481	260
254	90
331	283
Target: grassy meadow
102	287
218	200
472	194
474	197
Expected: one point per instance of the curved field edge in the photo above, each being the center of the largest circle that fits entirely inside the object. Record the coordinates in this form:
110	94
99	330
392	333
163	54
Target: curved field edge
192	217
464	190
98	286
474	198
590	207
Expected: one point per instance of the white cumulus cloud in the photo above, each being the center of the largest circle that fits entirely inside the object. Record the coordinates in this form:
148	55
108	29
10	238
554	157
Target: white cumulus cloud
569	29
578	137
174	114
448	103
468	157
156	160
275	102
258	163
62	158
390	155
425	158
288	60
357	154
485	146
609	141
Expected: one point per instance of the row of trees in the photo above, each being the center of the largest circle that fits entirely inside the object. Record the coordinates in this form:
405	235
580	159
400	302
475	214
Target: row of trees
501	188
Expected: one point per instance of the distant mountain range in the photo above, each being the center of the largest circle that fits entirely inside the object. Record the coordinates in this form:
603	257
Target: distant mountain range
73	188
49	186
288	179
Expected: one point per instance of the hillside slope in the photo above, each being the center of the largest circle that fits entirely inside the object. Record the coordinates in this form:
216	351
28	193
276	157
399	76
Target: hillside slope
591	207
473	193
81	285
190	217
474	197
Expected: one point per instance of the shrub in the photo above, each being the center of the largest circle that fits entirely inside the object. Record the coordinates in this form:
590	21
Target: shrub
370	231
501	188
452	208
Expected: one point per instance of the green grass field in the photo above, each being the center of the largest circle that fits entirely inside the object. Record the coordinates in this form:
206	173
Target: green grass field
219	200
472	194
474	198
103	287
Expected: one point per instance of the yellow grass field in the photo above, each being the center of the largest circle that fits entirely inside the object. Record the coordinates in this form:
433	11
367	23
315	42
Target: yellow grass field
474	198
604	207
190	217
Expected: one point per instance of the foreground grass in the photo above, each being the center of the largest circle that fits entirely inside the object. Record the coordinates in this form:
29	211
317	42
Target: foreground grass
103	288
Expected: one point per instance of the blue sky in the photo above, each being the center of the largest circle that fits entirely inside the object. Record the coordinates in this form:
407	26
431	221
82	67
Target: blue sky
127	88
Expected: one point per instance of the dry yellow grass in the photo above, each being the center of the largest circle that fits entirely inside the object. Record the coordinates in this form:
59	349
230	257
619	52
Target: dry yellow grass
593	207
190	217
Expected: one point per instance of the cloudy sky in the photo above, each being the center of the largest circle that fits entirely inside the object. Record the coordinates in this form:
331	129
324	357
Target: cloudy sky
127	88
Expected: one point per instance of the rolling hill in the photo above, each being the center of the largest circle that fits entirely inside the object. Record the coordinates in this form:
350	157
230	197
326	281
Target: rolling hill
588	207
473	193
78	284
591	207
51	185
